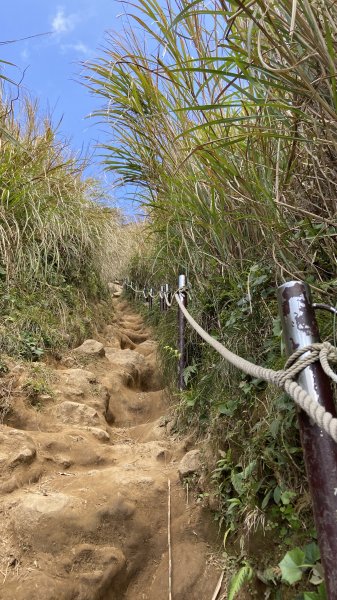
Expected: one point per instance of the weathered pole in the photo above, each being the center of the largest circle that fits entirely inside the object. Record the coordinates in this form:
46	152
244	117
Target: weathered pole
320	451
150	298
181	333
161	299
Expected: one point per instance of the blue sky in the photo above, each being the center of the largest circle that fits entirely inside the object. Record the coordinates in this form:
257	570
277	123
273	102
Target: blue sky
75	32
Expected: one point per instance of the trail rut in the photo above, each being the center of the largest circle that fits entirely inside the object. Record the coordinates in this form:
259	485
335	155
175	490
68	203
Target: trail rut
84	481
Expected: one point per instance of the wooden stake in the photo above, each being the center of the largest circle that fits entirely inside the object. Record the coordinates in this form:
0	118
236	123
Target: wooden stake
218	586
169	540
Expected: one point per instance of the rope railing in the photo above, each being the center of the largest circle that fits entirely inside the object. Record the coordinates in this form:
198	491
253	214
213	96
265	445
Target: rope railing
324	353
306	378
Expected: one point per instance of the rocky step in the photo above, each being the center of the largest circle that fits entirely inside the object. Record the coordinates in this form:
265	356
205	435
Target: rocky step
84	482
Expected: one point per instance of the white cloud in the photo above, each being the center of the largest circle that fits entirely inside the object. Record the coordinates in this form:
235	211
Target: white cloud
82	48
78	47
62	23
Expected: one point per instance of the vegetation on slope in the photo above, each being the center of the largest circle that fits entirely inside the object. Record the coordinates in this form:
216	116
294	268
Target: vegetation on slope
59	244
226	121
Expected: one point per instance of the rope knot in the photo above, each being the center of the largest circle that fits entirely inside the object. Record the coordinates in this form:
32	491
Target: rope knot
323	352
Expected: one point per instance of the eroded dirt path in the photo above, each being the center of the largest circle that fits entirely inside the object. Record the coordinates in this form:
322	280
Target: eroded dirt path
84	481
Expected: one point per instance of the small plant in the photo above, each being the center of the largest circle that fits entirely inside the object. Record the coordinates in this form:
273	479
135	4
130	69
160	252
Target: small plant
297	562
38	384
284	510
238	580
30	347
173	352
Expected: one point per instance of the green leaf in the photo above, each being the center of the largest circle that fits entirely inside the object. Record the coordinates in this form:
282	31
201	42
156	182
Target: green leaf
277	327
237	482
238	580
259	280
286	497
266	499
291	566
312	553
277	494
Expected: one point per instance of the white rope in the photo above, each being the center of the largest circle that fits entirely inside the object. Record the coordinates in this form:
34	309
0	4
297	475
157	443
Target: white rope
324	352
133	289
167	301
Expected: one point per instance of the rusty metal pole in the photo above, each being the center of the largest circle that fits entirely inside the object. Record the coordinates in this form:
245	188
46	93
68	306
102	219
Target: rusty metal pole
320	451
181	334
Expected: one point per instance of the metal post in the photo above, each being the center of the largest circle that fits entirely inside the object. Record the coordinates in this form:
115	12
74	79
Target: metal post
181	337
161	299
150	299
320	451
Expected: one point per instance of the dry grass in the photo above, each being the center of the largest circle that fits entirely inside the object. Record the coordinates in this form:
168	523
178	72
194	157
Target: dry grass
59	242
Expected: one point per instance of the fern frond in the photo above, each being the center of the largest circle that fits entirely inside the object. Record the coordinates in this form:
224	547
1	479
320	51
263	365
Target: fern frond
238	580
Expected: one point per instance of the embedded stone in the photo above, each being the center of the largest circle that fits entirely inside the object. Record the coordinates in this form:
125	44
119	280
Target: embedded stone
76	413
91	348
190	463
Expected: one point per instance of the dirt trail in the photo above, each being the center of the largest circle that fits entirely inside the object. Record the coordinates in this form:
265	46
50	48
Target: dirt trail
84	481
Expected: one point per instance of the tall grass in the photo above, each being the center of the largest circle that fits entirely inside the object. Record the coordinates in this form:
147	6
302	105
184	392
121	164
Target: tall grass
59	243
229	121
226	120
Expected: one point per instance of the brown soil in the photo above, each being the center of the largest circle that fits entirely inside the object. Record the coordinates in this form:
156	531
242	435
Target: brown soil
84	482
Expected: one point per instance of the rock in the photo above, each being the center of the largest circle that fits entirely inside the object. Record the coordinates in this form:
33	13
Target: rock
24	456
45	504
190	463
68	361
147	347
79	379
115	287
90	348
100	434
128	361
16	449
76	414
46	397
74	391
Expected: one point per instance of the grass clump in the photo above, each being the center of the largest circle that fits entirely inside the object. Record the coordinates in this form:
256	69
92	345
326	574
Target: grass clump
37	385
59	243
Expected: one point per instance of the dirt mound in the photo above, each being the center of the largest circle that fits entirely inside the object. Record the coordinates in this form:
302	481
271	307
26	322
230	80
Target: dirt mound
85	463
